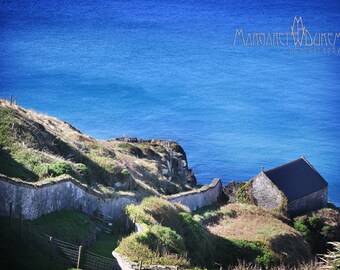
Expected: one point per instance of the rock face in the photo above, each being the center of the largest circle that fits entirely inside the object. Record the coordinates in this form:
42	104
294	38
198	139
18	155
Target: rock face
180	164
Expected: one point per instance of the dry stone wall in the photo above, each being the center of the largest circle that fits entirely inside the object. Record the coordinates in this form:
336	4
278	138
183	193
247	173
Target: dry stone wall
198	198
33	201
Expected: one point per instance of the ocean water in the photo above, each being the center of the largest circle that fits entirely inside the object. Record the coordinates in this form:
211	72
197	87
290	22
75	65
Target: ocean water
171	70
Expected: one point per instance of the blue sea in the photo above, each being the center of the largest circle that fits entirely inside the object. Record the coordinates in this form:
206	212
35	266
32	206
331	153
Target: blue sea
179	70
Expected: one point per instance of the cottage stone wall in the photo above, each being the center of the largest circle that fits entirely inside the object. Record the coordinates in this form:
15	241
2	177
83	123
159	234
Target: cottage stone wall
198	198
265	193
32	201
311	202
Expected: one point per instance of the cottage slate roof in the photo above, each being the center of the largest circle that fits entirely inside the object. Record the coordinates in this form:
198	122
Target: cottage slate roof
296	179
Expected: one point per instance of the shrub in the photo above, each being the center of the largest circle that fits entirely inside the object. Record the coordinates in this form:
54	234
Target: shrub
267	260
315	223
126	178
170	239
84	171
303	229
137	247
55	169
125	173
315	231
243	194
137	214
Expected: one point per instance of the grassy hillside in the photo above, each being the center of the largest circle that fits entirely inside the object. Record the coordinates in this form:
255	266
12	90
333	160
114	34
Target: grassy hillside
251	223
36	147
220	234
319	228
34	252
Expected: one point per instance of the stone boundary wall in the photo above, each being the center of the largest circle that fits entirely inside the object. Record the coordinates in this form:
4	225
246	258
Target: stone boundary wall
31	201
35	199
195	199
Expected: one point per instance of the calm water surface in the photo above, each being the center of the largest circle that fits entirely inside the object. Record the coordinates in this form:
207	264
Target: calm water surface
169	70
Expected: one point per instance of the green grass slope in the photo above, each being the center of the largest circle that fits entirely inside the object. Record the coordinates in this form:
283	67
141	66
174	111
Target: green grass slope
251	223
35	147
32	251
174	236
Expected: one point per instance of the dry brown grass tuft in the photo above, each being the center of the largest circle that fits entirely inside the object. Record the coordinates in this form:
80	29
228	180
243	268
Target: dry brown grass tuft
252	223
312	265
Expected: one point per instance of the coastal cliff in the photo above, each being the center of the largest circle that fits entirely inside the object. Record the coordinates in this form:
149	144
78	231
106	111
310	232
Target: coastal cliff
36	147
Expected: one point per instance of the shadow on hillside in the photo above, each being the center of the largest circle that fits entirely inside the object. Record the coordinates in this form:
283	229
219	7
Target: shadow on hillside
294	249
48	142
203	248
11	168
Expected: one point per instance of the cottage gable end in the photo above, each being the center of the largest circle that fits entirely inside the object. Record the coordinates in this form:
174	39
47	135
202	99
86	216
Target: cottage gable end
265	193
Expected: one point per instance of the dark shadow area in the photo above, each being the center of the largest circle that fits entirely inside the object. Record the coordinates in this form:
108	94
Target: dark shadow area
39	138
292	249
10	167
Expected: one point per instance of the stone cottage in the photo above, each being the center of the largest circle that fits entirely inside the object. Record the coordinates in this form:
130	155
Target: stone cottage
296	184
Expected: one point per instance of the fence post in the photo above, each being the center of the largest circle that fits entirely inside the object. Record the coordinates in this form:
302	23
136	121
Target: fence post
10	213
140	265
28	231
51	248
79	255
11	100
20	224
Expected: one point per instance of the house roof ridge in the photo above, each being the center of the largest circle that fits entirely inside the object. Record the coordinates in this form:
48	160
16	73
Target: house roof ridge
284	165
296	178
312	167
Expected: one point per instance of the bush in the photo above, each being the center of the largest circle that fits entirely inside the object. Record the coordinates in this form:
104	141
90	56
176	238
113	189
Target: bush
243	194
315	231
125	177
170	239
55	169
84	171
301	226
138	247
267	260
315	223
137	214
125	173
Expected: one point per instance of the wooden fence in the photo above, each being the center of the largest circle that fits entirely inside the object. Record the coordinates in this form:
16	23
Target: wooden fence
79	257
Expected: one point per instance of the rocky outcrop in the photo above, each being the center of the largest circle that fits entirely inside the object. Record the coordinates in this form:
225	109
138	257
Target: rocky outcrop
37	147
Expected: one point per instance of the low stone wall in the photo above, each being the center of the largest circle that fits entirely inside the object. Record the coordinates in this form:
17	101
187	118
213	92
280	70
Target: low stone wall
33	201
198	198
